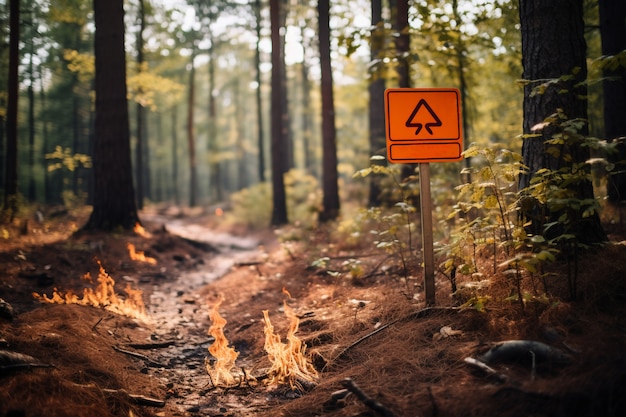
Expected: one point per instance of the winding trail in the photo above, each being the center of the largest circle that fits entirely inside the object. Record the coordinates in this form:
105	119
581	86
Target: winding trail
179	313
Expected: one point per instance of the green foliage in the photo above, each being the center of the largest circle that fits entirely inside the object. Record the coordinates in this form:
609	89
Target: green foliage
83	64
530	227
252	205
485	214
152	90
66	159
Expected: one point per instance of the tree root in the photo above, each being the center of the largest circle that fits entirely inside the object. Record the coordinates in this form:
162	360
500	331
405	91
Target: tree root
525	350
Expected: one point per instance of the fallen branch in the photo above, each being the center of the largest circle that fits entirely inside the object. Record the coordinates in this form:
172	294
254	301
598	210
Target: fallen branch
377	407
144	358
155	345
137	398
485	368
13	361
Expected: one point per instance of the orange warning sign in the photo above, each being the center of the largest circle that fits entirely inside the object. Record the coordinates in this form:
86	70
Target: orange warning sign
423	125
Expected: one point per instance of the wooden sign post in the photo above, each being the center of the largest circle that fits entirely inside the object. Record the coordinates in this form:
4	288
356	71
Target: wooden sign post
423	125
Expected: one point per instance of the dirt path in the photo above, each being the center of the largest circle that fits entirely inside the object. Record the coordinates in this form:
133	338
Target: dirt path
180	314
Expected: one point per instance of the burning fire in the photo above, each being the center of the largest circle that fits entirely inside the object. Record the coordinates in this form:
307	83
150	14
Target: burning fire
138	255
103	296
225	356
289	363
140	230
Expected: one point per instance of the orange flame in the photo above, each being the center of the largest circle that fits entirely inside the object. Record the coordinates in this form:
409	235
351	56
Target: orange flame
140	230
103	296
225	356
138	255
289	363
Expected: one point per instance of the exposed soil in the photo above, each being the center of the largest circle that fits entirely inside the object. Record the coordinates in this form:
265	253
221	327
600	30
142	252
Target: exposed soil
408	359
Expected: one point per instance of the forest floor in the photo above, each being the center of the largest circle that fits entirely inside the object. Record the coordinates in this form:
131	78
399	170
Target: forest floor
363	330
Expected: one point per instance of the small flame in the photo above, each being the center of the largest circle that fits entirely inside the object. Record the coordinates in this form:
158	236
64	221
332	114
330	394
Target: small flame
225	356
138	255
289	363
103	296
140	230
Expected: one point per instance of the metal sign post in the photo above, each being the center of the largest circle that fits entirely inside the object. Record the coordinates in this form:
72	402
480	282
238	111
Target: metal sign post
423	125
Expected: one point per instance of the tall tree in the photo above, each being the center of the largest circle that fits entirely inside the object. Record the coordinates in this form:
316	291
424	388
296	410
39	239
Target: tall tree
330	187
553	47
613	32
191	138
140	111
31	193
114	195
400	10
376	98
279	143
258	96
10	176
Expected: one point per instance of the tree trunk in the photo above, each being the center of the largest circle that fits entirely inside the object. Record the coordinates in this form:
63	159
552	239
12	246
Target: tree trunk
400	23
310	162
377	139
330	209
461	54
215	169
32	194
553	45
191	140
259	98
174	133
10	173
287	131
114	195
278	148
613	31
140	113
403	42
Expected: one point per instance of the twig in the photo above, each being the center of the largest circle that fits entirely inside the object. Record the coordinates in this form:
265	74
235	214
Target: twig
144	358
249	263
155	345
485	368
96	325
425	312
138	398
377	407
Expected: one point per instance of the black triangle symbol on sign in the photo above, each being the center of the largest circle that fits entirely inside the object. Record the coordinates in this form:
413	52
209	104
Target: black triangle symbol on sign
417	124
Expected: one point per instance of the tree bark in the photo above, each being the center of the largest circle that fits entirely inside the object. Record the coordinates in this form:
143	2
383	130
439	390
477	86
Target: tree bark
114	203
377	139
553	45
140	114
10	173
330	209
191	139
278	148
613	32
259	100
